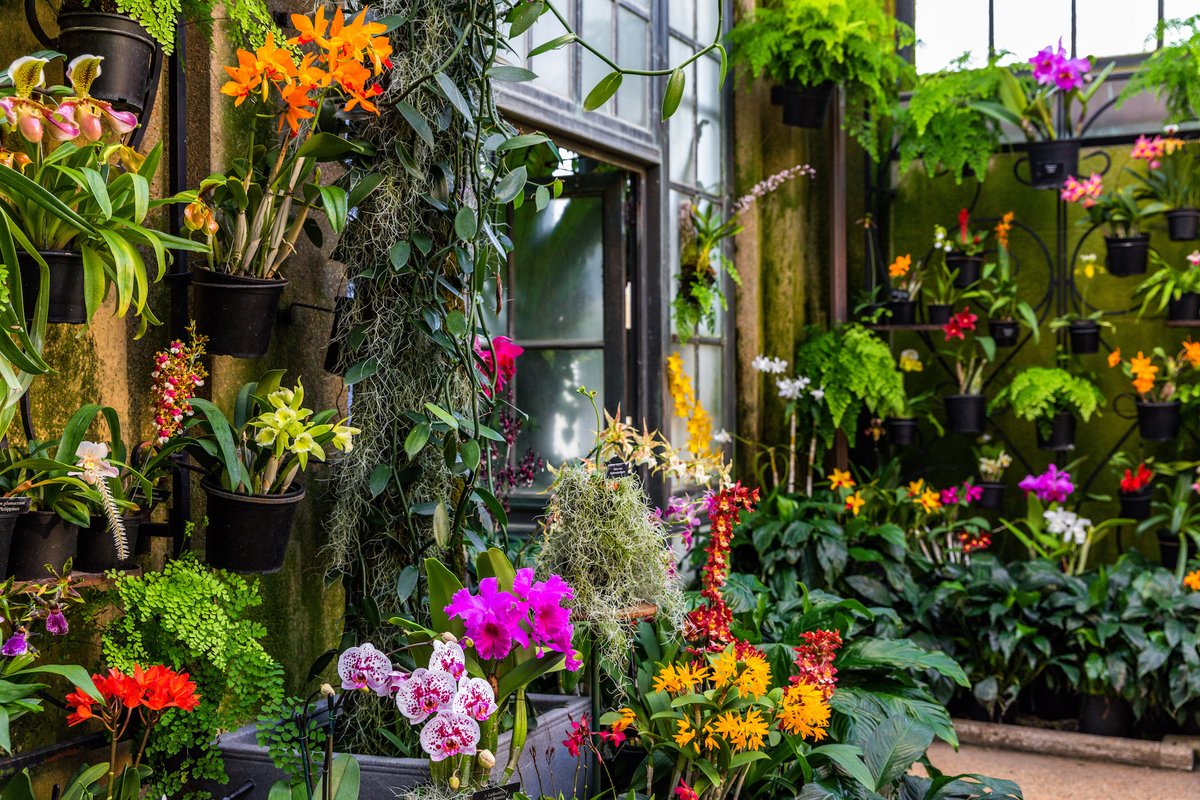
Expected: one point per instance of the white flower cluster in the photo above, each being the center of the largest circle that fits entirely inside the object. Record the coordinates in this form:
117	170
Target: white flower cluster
992	469
1072	527
941	240
771	366
792	388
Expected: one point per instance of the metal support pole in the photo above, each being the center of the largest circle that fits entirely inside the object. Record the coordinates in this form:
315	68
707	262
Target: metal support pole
181	496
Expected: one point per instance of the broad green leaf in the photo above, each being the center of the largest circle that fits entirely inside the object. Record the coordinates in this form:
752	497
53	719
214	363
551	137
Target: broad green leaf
399	254
361	371
465	224
454	95
380	476
603	91
553	44
417	122
416	439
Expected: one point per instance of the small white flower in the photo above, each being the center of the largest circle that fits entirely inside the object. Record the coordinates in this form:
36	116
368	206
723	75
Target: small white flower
722	437
790	388
1194	258
818	394
771	366
1171	130
1072	527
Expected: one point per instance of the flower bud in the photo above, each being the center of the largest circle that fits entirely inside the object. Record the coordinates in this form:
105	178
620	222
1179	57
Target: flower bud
487	759
455	782
327	690
449	638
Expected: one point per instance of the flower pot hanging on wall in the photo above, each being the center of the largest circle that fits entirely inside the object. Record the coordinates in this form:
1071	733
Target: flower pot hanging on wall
1085	336
66	304
901	432
1050	162
1135	505
992	496
969	268
1183	224
236	313
1005	332
966	413
249	533
902	310
803	106
1187	307
1158	422
41	538
938	313
98	551
1058	435
1128	256
128	52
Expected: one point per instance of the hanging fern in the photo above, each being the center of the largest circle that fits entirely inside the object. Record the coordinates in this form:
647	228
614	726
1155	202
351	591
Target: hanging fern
250	20
1172	72
1038	393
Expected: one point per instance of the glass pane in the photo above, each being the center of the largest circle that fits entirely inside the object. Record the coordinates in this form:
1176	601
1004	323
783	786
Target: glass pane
674	212
1097	35
706	20
558	286
710	383
708	131
683	123
682	14
598	31
1178	9
633	42
553	68
948	28
561	424
1024	27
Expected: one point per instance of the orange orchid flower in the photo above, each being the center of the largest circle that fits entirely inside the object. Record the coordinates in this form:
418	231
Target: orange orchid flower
310	30
1191	351
1114	357
298	103
245	78
1143	384
274	63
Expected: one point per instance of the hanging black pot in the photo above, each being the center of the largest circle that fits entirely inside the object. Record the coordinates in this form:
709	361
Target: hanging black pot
1105	716
901	432
128	52
903	312
11	509
1135	505
1168	549
938	313
66	305
1085	336
98	552
249	533
1183	224
1051	162
236	313
1187	307
969	268
41	538
992	496
966	413
803	106
1005	332
1059	435
1128	255
1158	422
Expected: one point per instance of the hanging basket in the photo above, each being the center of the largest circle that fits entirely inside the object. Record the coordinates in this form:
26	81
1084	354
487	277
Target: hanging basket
1051	162
966	413
969	268
1183	224
249	533
803	106
1059	435
41	538
1128	255
1085	336
66	305
128	52
236	313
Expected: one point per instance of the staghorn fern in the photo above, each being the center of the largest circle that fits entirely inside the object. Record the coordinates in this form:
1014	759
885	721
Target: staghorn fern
1038	393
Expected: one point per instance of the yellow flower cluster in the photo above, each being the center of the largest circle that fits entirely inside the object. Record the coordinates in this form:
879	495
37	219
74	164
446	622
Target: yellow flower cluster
688	408
754	678
680	679
739	732
804	711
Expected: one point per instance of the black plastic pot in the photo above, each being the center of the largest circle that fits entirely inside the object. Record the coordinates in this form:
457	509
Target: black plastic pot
1051	704
249	533
1135	505
1005	332
1085	336
237	314
966	413
938	313
11	509
901	432
1051	162
127	50
992	497
66	304
41	538
1061	435
969	268
1158	422
1128	256
903	312
1187	307
98	552
1183	224
1168	549
1105	716
803	106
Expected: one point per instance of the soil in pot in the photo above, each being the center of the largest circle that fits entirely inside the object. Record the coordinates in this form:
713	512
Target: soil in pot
98	551
1005	332
1135	505
1183	224
249	533
1128	256
938	313
1105	716
966	413
41	538
803	106
66	304
1059	435
968	268
901	432
1187	307
992	497
1085	336
902	312
1158	422
237	314
128	51
1051	162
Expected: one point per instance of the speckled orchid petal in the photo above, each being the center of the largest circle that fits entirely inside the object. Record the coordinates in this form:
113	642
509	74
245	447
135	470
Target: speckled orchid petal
424	693
449	734
448	657
475	699
82	72
364	667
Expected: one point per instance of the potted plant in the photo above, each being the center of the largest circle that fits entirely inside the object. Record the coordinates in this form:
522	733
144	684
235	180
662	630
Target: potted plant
1170	71
905	289
993	460
1170	179
252	463
78	201
1051	398
1134	487
964	250
1107	665
252	214
1121	214
1083	326
1177	289
997	293
941	294
1027	94
1175	519
902	412
811	46
1158	409
966	410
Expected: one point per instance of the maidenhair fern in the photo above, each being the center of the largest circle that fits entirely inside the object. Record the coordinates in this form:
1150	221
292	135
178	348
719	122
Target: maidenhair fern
249	19
1038	393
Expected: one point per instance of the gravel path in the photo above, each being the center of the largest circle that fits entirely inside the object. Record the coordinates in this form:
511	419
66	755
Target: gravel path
1055	778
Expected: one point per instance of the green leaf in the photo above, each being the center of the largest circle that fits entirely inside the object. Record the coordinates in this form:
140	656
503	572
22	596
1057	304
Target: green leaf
465	224
456	323
503	72
442	414
511	186
416	121
553	44
673	93
524	16
380	476
416	439
469	452
330	147
454	95
343	779
399	254
336	205
603	91
849	759
442	585
541	198
893	748
522	141
361	371
406	582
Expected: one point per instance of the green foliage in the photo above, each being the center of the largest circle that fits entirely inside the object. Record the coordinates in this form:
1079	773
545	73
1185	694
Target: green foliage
940	125
701	264
250	19
85	784
1175	182
998	294
853	43
857	371
1173	70
194	619
1122	212
1038	393
1168	282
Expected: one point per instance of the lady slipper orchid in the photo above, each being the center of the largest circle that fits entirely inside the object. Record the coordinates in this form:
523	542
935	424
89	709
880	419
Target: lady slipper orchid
32	119
93	117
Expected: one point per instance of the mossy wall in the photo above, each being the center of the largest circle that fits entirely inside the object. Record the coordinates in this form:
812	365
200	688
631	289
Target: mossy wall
920	203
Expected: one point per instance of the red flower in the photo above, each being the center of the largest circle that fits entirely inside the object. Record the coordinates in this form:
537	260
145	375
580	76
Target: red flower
505	366
952	329
707	626
577	737
164	688
81	707
685	792
964	218
814	660
1136	482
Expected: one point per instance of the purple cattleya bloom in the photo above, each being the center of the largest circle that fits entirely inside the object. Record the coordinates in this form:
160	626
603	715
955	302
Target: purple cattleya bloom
949	496
972	493
1053	66
17	645
1052	486
56	622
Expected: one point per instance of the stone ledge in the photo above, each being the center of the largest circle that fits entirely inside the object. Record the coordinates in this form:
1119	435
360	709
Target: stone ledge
1164	755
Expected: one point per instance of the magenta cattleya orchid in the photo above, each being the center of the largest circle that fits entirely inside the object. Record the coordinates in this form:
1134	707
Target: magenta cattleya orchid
1054	66
31	118
450	733
93	117
503	367
1052	486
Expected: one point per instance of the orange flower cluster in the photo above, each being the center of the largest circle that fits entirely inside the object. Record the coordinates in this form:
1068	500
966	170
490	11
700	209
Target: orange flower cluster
1003	228
343	51
900	267
1144	373
152	690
